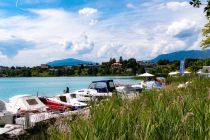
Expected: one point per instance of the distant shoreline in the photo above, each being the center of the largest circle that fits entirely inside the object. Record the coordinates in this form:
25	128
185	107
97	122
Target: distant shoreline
69	76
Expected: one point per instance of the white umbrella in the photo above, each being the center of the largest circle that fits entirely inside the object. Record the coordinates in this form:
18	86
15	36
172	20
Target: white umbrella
173	73
146	75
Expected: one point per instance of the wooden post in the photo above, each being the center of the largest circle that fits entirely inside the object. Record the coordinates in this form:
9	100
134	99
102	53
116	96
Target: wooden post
27	120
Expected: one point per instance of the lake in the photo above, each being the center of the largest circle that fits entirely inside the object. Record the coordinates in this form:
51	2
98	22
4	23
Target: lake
46	86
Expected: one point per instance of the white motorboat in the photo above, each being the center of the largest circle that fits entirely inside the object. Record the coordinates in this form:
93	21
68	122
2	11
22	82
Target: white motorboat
96	90
83	95
129	89
69	99
26	103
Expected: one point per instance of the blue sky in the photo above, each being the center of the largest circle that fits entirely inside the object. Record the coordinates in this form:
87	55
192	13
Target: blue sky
38	31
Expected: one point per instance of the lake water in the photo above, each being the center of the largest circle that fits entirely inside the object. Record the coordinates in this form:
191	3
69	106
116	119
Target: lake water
46	86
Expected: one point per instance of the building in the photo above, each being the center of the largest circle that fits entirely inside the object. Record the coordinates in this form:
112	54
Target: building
117	65
44	66
206	69
146	64
92	66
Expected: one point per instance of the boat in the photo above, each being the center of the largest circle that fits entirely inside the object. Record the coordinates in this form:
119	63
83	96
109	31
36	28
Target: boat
71	100
129	89
55	104
96	90
153	85
6	117
26	103
83	95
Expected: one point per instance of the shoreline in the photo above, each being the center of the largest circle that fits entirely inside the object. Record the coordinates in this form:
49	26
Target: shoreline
45	86
71	76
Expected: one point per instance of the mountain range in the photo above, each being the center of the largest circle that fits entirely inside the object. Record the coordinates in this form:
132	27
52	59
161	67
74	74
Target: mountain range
180	55
69	62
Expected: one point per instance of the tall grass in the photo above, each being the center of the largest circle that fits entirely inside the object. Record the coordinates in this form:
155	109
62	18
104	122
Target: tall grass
165	114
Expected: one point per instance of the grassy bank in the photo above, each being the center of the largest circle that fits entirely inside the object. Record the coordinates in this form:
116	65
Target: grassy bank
167	114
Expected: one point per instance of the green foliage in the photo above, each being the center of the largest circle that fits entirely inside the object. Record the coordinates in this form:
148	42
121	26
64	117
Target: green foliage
195	3
164	67
166	114
179	79
198	3
92	70
163	62
206	29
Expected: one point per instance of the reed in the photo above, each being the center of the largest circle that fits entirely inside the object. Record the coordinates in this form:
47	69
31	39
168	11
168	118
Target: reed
165	114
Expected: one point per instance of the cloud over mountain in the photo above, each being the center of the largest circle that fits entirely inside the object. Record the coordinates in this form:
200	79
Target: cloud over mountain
65	29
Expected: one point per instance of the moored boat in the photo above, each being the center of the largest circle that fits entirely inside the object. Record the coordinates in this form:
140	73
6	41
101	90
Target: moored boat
25	103
70	99
96	90
55	104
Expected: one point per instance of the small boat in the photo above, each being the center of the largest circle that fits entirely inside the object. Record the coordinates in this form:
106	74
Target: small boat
26	103
129	89
71	100
83	95
96	90
55	104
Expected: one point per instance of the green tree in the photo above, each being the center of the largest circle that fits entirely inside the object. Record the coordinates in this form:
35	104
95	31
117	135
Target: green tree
121	60
163	62
206	29
198	3
112	60
205	32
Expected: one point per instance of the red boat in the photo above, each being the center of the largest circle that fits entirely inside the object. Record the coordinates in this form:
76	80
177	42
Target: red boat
54	105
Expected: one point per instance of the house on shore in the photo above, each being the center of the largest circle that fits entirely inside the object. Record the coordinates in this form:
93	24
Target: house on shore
44	66
147	64
116	65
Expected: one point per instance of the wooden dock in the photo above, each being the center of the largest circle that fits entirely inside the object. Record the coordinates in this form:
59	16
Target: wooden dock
30	120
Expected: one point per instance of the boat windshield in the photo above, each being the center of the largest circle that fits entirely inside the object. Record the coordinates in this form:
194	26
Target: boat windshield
32	101
111	84
63	98
101	87
92	86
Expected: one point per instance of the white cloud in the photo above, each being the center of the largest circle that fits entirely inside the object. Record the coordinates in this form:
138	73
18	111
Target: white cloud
179	26
49	30
83	45
93	22
3	59
130	5
174	5
168	45
87	11
58	34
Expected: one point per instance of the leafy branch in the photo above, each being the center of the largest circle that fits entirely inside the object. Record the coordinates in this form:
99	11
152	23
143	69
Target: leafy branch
206	29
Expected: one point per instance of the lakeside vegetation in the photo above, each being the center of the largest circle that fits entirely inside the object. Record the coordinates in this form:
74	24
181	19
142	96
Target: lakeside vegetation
170	113
128	68
163	67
